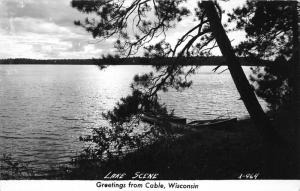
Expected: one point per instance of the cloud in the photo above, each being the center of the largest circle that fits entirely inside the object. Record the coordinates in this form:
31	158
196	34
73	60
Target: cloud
58	11
44	29
45	46
19	25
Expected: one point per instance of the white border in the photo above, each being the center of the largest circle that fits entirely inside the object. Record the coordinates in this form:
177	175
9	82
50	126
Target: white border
204	185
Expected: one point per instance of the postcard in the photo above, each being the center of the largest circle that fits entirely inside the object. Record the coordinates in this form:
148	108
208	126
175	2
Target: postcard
149	95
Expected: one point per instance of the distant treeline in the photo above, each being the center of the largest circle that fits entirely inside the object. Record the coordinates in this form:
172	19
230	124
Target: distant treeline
49	61
213	60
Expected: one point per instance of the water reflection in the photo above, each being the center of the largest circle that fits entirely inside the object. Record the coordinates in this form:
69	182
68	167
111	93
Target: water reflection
44	108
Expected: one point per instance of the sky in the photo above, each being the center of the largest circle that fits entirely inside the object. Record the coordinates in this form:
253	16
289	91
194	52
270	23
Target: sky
44	29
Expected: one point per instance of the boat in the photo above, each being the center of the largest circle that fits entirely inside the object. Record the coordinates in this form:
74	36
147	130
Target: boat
215	123
180	123
154	119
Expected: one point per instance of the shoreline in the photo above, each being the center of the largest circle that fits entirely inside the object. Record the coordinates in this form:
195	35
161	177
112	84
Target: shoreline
208	154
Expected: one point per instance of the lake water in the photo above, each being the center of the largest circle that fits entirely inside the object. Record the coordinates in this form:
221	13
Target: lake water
45	108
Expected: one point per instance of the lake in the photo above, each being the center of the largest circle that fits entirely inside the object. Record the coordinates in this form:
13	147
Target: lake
45	108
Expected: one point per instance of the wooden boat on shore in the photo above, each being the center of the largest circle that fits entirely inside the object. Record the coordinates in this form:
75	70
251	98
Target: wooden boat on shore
180	123
216	123
154	119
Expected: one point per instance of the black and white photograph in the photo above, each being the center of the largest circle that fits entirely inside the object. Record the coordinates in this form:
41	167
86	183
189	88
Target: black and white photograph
131	90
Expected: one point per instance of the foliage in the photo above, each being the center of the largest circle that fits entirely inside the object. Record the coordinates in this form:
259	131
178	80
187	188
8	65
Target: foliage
107	145
14	169
273	83
117	18
137	24
134	104
269	35
268	27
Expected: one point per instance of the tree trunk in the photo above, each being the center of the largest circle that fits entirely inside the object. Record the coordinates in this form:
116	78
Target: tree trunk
241	82
272	142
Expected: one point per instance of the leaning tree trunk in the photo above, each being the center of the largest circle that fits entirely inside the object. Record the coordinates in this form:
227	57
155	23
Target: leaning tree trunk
260	119
241	82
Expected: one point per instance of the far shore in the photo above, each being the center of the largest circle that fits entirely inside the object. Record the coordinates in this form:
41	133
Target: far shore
197	61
